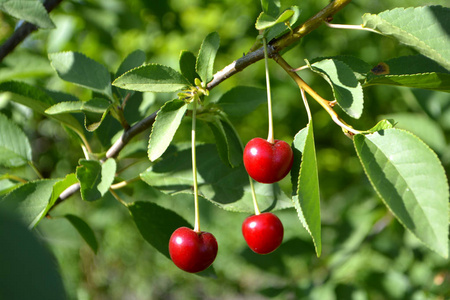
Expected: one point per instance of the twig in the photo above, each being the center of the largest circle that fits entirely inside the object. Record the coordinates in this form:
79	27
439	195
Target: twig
24	30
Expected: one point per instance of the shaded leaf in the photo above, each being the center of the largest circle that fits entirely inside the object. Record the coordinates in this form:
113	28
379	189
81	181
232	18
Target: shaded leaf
84	230
271	7
59	187
32	11
381	125
152	78
15	149
29	270
411	181
305	193
423	28
242	100
167	121
133	60
346	88
187	66
156	224
30	200
206	56
226	187
95	178
416	71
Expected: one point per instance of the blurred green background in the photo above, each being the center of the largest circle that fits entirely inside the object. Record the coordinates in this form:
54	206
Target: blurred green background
366	254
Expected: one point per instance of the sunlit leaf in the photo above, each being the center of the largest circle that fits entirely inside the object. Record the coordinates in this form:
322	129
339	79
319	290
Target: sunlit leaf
411	181
152	78
32	11
423	28
29	201
165	126
77	68
346	88
206	56
305	186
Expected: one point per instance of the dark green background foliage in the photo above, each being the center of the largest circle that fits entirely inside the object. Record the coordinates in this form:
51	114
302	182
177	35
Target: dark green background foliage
366	252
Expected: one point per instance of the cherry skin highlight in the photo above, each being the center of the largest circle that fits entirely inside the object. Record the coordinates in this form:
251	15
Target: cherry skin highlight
192	251
263	233
266	162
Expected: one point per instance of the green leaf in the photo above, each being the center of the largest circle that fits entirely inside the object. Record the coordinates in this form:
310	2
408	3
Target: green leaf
167	121
84	230
265	21
423	126
382	125
95	110
416	71
280	29
305	194
156	224
206	56
411	181
152	78
271	7
228	143
242	100
60	187
224	186
30	200
77	68
29	270
22	65
32	11
15	149
346	88
133	60
95	178
38	100
187	66
360	68
423	28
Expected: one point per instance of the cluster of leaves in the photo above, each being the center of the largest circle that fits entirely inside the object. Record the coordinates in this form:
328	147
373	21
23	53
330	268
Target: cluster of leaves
404	171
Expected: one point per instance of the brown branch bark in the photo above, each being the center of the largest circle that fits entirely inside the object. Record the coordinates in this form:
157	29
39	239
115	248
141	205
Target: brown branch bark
24	30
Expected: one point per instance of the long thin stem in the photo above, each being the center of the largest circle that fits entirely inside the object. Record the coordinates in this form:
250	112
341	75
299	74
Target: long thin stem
270	137
255	203
194	168
305	102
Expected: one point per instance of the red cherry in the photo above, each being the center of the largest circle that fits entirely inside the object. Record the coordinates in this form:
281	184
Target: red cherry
266	162
263	233
192	251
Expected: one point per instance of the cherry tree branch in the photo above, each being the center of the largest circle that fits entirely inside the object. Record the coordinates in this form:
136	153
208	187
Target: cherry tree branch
24	30
236	66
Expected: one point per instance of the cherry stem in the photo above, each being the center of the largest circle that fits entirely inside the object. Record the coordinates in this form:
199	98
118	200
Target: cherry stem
270	137
305	102
255	203
194	168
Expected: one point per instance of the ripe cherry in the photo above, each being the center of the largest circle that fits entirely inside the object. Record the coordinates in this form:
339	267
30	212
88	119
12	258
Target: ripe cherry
266	162
263	233
192	251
